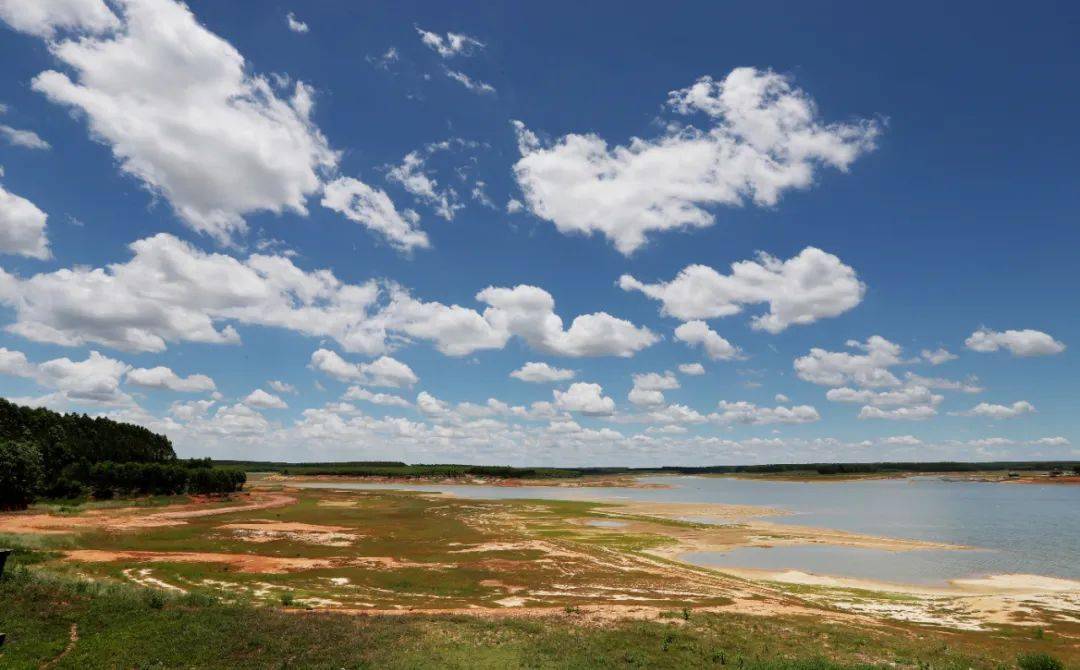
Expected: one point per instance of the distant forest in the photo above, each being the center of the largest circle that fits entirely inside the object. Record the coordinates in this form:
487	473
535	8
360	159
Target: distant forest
399	469
52	455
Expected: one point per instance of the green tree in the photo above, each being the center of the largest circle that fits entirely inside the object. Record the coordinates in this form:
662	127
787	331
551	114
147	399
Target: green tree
21	474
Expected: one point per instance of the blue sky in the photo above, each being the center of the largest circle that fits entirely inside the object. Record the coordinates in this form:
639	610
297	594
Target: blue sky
387	208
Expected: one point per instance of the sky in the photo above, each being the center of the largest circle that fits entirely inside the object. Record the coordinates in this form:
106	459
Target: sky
546	233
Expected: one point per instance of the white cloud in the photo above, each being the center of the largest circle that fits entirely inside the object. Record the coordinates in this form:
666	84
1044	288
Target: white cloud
383	371
295	24
907	396
869	369
780	397
27	139
692	369
22	227
387	399
803	289
281	387
749	413
917	413
14	363
183	114
161	377
584	398
45	17
716	347
373	209
453	44
969	386
263	400
1025	342
96	379
525	311
764	138
191	409
649	387
542	373
992	411
474	85
1052	442
171	292
902	440
938	356
410	174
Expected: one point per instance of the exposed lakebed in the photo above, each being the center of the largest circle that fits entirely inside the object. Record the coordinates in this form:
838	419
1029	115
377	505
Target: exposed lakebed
1012	528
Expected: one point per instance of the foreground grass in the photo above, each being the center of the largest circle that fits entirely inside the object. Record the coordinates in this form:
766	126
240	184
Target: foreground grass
119	625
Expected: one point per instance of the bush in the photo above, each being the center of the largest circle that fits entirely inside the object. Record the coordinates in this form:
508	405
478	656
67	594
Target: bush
65	488
1038	662
21	474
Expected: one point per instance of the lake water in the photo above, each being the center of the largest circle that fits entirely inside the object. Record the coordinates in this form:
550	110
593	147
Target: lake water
1017	528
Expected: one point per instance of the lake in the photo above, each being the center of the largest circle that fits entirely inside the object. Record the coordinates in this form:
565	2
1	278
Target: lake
1016	528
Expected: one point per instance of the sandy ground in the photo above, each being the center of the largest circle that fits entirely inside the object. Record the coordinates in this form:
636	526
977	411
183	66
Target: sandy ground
129	518
616	481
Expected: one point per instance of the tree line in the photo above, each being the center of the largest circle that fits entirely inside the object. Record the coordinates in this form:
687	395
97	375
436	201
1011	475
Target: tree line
45	454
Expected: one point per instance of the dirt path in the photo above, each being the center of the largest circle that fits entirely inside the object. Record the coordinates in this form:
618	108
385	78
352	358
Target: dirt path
73	638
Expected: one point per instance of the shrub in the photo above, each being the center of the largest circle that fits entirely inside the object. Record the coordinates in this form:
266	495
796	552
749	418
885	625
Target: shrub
21	474
1038	662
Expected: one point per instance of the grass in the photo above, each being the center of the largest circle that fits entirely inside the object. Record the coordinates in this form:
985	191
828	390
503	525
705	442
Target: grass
125	626
247	620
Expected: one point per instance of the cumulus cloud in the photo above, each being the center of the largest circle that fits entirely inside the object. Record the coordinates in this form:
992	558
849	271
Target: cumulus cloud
1025	342
45	18
263	400
917	413
161	377
584	398
387	399
171	292
94	380
373	209
692	369
524	311
803	289
22	227
180	110
450	45
295	24
1052	442
698	333
542	373
902	440
764	137
280	386
749	413
649	387
383	371
837	368
907	396
971	385
991	411
938	356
